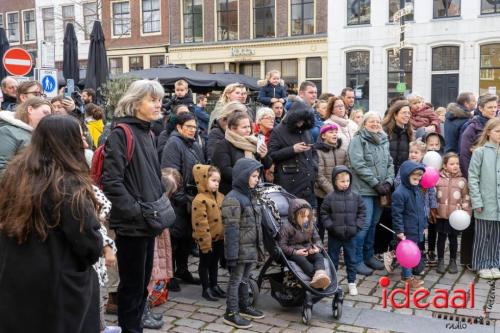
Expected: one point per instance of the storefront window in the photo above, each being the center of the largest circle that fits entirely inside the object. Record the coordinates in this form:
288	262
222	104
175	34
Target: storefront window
446	8
156	61
135	64
394	6
358	12
227	19
446	58
211	68
289	72
314	72
302	17
193	21
393	70
358	76
251	69
489	79
115	65
490	6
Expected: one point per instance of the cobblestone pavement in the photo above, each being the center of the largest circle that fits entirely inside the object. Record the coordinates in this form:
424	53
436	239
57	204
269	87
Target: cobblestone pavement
187	312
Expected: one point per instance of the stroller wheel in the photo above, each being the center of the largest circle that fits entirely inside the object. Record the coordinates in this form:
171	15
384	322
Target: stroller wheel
337	307
306	314
253	292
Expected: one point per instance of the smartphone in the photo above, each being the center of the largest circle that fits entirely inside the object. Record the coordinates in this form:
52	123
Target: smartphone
261	139
70	88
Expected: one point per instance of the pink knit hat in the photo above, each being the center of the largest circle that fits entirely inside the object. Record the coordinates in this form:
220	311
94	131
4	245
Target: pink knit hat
328	127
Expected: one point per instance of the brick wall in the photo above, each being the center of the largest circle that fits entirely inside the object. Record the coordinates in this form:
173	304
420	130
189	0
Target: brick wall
282	18
208	20
244	19
321	16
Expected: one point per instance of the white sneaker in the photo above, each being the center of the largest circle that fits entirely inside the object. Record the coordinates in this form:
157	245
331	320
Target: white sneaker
485	274
353	291
495	272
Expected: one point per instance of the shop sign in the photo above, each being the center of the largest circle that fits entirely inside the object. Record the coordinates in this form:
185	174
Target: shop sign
241	51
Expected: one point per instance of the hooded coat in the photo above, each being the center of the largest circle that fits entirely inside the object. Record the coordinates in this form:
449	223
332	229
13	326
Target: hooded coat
206	215
328	158
343	212
424	117
471	132
14	135
293	235
426	137
371	162
242	216
408	213
295	172
452	193
456	116
269	91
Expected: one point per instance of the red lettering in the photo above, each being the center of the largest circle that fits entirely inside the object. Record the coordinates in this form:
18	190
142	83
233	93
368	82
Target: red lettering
405	292
471	290
417	298
459	295
441	294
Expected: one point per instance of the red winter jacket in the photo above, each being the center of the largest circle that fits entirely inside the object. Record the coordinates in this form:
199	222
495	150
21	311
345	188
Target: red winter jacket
424	117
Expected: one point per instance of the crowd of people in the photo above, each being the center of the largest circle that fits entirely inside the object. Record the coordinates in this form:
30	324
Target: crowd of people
99	217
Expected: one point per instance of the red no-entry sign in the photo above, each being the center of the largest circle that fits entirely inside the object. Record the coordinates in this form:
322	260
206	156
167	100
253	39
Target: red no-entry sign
17	61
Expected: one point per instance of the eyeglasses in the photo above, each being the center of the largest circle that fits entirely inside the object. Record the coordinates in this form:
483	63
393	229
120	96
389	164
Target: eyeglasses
190	127
341	106
36	93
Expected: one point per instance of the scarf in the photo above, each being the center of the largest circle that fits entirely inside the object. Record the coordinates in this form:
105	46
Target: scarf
342	122
246	143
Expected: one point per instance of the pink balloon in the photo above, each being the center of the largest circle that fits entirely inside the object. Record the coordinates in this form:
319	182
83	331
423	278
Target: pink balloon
408	254
430	177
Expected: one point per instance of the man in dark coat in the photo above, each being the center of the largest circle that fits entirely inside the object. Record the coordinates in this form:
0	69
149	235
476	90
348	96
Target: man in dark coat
9	88
290	149
457	114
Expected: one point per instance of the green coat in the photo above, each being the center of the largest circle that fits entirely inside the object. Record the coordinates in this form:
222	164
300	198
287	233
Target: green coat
371	162
484	182
14	135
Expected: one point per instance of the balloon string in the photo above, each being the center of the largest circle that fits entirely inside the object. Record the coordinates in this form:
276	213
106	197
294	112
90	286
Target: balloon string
380	224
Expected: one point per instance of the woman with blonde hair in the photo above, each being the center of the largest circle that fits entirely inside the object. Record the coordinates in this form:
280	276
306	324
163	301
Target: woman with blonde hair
273	89
232	93
16	128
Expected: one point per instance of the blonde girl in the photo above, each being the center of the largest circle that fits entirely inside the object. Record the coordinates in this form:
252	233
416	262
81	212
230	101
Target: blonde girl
357	116
485	197
272	89
232	93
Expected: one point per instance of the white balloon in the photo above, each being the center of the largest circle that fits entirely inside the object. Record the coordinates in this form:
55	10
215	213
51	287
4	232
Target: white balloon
459	220
433	159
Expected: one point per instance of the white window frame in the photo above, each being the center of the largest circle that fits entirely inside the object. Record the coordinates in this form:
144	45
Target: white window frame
182	23
290	20
62	16
154	33
53	22
31	41
18	27
216	20
96	14
113	36
252	21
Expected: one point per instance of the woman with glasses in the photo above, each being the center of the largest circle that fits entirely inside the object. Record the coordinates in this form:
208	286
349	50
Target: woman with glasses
347	128
182	151
16	127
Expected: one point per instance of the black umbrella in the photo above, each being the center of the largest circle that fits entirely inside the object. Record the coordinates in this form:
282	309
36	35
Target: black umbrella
4	46
97	69
71	68
226	78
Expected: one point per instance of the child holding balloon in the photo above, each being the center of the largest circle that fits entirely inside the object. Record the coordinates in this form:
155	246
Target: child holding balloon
452	194
483	186
409	218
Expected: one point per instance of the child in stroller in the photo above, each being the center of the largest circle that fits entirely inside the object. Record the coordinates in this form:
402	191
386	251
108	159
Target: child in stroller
300	242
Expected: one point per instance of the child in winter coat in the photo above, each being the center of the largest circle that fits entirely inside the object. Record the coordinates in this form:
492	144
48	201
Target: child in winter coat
452	194
300	242
423	118
272	89
241	216
329	155
94	115
483	186
208	231
343	214
409	218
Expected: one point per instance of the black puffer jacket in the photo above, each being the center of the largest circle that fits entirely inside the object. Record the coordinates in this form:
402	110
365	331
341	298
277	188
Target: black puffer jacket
182	154
225	157
399	146
294	172
242	216
343	212
127	183
215	136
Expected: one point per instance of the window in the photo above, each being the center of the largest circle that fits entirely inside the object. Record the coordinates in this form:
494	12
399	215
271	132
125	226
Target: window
302	17
289	72
490	7
48	24
150	16
489	79
13	27
135	64
68	15
193	21
358	12
1	21
314	72
358	75
89	16
394	6
393	71
446	8
29	26
251	69
115	65
121	18
264	18
210	68
156	61
227	19
446	58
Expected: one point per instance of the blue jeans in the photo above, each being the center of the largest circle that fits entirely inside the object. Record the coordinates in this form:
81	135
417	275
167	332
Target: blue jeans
365	239
334	246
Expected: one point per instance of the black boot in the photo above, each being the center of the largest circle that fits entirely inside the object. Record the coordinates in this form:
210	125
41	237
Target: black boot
452	268
209	295
187	277
173	285
234	319
440	266
218	291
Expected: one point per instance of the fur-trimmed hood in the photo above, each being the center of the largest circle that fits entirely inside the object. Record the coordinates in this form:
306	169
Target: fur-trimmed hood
9	118
299	111
455	110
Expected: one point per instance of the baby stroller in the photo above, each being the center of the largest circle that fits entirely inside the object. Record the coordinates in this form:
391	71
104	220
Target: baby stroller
289	285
